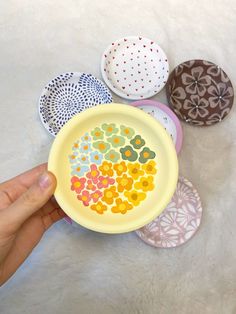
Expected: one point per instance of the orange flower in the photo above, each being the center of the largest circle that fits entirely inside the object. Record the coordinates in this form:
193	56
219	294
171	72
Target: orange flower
109	195
121	206
99	207
134	170
106	169
145	184
120	168
149	167
135	197
124	183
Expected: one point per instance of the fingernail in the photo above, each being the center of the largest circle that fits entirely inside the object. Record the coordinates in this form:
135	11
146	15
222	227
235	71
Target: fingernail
44	181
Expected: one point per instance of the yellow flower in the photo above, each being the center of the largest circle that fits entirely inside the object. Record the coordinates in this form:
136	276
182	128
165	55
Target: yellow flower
99	207
135	171
135	197
109	195
124	183
121	206
106	169
120	168
145	184
149	168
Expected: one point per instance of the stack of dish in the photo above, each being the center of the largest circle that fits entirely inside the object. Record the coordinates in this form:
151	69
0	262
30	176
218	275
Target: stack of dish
116	165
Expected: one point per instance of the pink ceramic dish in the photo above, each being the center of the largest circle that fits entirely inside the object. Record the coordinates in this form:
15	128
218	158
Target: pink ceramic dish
179	221
166	117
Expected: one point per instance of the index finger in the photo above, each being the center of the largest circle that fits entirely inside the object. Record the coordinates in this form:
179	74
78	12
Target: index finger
28	178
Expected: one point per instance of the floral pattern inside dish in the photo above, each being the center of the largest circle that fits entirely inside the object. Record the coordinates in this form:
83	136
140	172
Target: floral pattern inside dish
112	169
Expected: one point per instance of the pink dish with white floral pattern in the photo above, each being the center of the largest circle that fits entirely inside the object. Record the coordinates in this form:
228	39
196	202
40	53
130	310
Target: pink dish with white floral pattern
200	92
178	222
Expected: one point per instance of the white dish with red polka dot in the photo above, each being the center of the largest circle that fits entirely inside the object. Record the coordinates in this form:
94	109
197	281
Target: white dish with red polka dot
135	67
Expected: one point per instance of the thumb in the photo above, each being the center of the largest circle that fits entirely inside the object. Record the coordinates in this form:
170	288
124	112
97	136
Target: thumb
32	200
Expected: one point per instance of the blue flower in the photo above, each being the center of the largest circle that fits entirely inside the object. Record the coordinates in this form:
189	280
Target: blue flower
79	170
86	138
73	157
85	147
83	159
96	158
75	146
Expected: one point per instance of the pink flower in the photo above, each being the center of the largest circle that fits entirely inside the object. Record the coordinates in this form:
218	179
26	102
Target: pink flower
96	195
77	184
90	185
85	197
93	174
104	182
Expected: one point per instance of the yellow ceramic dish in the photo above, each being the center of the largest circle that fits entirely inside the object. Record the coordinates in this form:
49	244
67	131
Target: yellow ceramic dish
116	168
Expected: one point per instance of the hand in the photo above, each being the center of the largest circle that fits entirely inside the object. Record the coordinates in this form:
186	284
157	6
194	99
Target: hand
26	212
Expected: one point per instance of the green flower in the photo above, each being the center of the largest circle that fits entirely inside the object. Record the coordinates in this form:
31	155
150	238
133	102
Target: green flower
112	156
109	128
125	131
128	153
137	142
116	140
101	146
145	155
97	134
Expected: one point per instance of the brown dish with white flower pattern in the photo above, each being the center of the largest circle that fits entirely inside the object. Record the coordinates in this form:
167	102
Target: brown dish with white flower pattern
200	92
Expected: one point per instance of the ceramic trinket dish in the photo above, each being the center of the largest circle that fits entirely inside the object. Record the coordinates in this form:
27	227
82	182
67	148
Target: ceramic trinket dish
69	94
200	92
178	222
112	164
135	67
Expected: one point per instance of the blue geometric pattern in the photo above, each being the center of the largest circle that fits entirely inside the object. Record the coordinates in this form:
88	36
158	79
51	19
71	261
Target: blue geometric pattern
67	95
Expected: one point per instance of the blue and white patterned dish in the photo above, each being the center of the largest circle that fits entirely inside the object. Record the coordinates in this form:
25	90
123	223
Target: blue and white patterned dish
67	95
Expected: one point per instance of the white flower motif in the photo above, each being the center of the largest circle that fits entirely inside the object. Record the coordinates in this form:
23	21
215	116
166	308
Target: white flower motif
224	77
153	226
167	240
185	214
196	107
191	228
196	82
176	95
180	114
179	69
168	219
196	122
208	63
183	194
221	95
213	69
217	117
